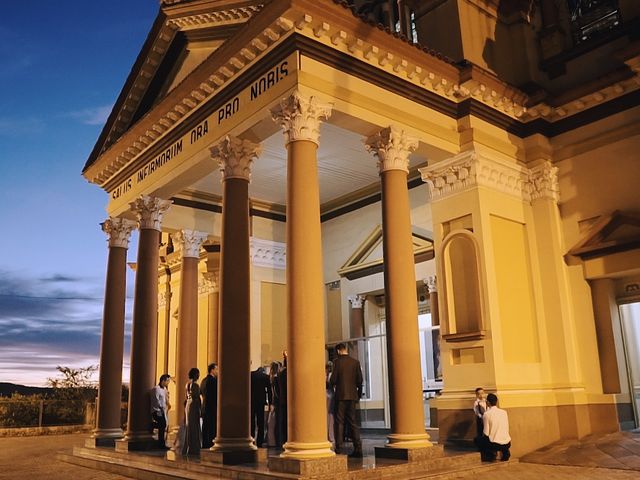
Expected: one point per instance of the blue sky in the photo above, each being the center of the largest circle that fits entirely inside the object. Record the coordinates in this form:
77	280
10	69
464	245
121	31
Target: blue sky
62	64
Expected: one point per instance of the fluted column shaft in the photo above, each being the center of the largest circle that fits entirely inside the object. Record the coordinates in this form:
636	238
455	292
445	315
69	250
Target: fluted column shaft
187	355
112	340
145	312
392	148
307	427
234	336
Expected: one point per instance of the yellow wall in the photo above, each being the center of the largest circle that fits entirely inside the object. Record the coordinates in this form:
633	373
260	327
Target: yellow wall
273	316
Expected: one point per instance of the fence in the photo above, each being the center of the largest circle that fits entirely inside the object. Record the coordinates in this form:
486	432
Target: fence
38	412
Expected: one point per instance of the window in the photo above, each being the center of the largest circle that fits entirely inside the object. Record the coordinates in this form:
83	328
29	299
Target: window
591	18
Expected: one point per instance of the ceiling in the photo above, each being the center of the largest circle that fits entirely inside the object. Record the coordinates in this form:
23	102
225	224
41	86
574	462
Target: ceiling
344	166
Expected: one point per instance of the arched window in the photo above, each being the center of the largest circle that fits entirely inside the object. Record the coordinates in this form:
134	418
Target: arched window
464	315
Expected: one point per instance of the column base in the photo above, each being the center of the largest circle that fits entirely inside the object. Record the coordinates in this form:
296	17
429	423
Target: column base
307	451
309	467
104	438
229	458
231	451
136	443
411	455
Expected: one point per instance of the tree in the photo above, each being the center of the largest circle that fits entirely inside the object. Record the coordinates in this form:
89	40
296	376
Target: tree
71	392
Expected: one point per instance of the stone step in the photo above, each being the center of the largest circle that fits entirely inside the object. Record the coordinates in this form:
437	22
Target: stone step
145	466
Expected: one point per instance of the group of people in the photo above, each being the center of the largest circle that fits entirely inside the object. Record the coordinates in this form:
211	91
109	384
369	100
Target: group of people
268	392
344	389
492	427
200	402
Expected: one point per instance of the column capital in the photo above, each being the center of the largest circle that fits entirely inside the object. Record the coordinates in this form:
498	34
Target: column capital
209	283
190	242
118	230
430	282
235	156
300	116
391	146
543	181
357	301
149	211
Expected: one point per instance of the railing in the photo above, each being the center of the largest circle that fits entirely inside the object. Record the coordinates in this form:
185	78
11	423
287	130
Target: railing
38	412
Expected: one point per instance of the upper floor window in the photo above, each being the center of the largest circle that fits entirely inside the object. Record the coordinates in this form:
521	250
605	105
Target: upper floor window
590	18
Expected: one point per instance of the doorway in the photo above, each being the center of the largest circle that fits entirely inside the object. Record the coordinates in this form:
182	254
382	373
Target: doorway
630	323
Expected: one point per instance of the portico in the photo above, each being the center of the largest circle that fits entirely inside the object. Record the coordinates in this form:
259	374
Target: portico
255	166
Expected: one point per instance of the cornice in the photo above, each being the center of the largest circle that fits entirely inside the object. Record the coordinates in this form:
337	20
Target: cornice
466	91
471	169
269	254
218	18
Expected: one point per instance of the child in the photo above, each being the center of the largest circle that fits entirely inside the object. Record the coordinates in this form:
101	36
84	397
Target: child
479	407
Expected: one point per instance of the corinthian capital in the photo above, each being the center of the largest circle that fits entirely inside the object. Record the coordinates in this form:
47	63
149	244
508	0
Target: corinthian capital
149	211
300	117
118	230
357	301
430	282
190	242
235	157
391	146
543	181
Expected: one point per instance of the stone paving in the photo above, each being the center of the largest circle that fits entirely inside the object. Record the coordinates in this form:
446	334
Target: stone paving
35	458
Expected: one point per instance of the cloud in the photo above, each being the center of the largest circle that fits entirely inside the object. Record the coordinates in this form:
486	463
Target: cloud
48	321
60	278
18	127
93	115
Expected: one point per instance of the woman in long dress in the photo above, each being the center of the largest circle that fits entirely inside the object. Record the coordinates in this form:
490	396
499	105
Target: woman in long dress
271	418
193	437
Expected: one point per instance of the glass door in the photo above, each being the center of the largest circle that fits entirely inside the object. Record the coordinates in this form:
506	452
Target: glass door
630	319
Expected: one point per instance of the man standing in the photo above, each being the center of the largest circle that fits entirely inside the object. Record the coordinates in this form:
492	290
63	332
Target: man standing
347	381
260	396
496	431
209	392
159	407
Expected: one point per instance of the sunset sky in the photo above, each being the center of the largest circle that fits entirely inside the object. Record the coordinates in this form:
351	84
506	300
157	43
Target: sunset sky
62	65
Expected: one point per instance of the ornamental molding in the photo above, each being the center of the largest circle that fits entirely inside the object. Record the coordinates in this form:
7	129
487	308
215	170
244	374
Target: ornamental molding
235	156
391	147
230	16
431	284
543	182
189	242
164	298
118	231
356	301
268	254
149	211
471	169
209	283
300	117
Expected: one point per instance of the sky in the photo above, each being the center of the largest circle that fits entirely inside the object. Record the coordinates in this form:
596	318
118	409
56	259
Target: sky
62	65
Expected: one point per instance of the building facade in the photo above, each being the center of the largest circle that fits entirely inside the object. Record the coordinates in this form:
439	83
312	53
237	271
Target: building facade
451	186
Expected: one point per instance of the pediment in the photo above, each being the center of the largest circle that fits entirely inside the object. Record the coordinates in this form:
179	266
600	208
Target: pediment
367	259
182	38
616	232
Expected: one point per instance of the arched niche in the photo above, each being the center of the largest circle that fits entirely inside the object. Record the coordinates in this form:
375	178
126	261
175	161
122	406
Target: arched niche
462	293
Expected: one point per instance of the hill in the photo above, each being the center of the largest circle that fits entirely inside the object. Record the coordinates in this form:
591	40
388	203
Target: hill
7	389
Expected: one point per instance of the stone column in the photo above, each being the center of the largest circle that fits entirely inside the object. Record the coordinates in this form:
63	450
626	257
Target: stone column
189	242
430	282
356	316
300	117
234	443
211	286
145	323
112	340
391	147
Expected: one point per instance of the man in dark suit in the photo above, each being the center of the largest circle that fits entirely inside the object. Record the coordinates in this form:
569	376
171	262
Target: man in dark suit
260	396
347	381
209	392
